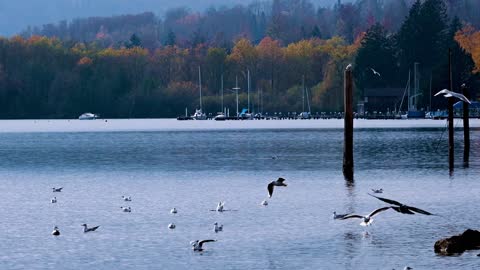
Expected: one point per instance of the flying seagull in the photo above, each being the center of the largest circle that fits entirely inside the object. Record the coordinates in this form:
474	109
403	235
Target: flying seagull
278	182
368	219
57	189
86	229
198	244
447	93
402	208
375	72
339	216
56	231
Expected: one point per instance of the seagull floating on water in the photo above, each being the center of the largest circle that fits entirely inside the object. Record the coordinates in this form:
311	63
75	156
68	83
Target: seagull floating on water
278	183
264	203
86	229
447	93
173	211
217	228
57	189
375	72
377	190
198	244
126	209
220	206
339	216
368	219
127	199
53	200
171	226
402	208
56	231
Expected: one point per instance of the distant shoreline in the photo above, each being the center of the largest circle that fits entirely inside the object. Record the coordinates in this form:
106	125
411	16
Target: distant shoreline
157	125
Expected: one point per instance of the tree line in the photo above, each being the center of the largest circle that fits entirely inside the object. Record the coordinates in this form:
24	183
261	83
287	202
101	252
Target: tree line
62	77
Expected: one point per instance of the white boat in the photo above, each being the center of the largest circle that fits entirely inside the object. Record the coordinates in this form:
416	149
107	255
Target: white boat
199	115
88	116
304	115
220	117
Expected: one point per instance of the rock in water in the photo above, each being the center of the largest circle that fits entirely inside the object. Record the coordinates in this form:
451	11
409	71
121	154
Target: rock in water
470	239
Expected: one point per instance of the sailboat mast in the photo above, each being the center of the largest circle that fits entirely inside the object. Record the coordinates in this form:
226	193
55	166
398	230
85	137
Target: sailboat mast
221	90
409	93
308	101
236	91
303	93
248	90
200	86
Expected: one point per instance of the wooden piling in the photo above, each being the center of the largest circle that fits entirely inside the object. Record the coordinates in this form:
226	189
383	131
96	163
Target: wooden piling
348	125
466	129
451	101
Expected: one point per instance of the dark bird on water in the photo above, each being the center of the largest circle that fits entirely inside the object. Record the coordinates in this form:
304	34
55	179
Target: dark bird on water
86	229
278	183
368	219
198	244
57	189
56	231
339	216
402	208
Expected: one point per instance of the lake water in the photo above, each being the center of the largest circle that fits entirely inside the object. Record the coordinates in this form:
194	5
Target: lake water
192	166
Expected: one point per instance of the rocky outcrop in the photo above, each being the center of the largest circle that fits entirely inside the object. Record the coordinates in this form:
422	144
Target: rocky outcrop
470	239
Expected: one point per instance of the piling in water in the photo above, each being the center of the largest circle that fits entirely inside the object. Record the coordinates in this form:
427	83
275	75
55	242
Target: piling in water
348	125
450	116
466	129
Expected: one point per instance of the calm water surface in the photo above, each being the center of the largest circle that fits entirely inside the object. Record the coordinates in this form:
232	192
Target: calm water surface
193	170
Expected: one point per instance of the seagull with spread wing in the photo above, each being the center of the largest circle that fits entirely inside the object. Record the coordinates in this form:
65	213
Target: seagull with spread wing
447	93
375	72
402	208
278	183
367	219
198	244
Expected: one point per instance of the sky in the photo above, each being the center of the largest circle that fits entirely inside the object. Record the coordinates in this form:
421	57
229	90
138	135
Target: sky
17	15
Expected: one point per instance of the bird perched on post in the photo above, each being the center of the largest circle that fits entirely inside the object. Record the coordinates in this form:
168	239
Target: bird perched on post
447	93
349	67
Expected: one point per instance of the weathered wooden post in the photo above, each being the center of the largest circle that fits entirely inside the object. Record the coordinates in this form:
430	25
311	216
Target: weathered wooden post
348	125
466	129
451	101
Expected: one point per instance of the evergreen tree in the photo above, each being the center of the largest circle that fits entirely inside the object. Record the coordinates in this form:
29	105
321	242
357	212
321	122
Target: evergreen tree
134	42
377	52
316	32
171	39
